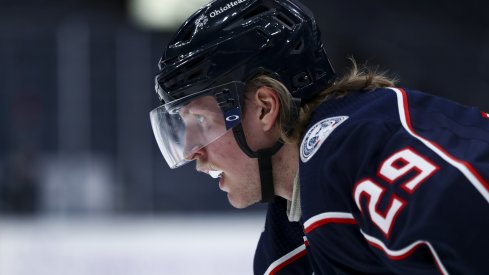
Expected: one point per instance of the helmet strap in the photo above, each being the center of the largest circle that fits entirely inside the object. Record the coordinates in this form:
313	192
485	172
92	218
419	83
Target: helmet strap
264	157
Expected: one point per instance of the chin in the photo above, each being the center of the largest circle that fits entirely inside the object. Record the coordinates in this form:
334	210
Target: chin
240	204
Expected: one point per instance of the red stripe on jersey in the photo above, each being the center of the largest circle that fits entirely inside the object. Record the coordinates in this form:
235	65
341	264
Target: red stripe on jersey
464	167
403	253
282	265
328	217
319	223
485	115
286	260
396	257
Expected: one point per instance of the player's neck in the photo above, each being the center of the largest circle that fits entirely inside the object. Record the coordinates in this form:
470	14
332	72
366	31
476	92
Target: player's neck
285	167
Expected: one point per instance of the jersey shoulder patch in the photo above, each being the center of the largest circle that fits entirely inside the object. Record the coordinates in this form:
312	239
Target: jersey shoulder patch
317	134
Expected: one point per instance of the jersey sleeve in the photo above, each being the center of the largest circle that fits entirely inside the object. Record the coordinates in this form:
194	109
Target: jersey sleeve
281	248
408	174
420	190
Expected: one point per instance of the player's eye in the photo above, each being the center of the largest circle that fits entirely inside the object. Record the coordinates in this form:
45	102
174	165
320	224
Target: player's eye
200	119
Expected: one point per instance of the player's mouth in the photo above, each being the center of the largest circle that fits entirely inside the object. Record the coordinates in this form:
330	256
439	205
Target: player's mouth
215	173
218	174
210	170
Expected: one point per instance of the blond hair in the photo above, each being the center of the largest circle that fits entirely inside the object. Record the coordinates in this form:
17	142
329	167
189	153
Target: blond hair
364	78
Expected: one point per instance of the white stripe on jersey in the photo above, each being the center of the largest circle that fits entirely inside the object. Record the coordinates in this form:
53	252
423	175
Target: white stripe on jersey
462	166
289	257
404	252
327	216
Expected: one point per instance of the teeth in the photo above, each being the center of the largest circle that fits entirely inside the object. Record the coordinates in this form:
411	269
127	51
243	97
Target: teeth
215	174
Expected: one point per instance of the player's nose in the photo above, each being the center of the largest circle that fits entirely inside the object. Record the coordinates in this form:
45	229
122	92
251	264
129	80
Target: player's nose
196	152
193	148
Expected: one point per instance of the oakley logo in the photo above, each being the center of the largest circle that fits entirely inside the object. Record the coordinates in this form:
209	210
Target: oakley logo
232	118
225	8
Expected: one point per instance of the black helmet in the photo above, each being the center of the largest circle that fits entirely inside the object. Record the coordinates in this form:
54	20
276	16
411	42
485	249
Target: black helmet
235	40
230	41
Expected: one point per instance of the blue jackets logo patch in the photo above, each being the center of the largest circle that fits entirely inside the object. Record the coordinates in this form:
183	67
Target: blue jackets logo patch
317	134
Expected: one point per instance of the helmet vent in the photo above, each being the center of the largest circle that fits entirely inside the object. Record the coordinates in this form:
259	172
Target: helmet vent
191	72
255	12
195	74
187	35
285	21
298	47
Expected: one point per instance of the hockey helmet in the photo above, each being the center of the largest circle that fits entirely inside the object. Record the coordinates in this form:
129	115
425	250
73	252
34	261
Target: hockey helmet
218	49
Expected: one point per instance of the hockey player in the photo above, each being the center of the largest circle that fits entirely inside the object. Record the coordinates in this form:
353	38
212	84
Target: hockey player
360	176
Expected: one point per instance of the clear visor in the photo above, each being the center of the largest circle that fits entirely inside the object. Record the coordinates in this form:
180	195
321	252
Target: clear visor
184	126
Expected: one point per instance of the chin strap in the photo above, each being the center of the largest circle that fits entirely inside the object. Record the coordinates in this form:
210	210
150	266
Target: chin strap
266	172
264	157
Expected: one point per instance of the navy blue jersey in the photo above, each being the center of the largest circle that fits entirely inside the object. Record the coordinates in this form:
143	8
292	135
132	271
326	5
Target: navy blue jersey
391	181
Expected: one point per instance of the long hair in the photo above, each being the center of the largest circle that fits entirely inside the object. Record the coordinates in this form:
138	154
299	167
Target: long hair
364	78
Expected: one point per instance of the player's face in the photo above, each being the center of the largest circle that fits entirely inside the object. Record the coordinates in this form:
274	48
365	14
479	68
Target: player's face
238	174
204	122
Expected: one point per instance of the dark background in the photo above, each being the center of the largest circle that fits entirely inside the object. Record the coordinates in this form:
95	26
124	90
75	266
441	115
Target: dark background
76	87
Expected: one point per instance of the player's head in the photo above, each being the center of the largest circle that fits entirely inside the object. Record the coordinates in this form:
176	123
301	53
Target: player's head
210	63
217	51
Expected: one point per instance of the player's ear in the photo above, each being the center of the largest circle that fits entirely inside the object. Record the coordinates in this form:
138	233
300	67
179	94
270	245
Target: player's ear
268	104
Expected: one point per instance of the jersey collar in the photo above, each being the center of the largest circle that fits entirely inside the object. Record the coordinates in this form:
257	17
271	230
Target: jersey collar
294	206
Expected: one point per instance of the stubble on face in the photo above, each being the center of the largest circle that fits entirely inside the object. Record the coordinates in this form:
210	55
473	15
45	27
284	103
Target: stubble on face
240	178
